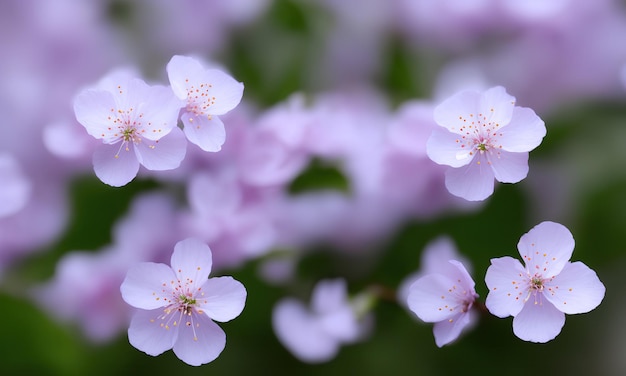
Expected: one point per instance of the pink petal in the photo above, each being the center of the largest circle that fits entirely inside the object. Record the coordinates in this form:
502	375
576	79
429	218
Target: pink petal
507	286
447	331
91	108
266	160
15	189
500	102
538	322
222	298
200	342
451	112
297	330
160	109
546	248
149	333
164	154
115	165
509	167
473	182
342	324
432	298
146	285
192	260
208	134
437	255
329	295
444	148
226	91
180	70
576	289
524	133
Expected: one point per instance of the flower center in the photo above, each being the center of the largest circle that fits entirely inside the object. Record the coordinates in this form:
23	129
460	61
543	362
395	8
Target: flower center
536	283
186	304
478	134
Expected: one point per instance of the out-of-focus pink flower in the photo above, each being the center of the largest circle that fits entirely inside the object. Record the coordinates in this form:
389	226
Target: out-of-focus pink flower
15	188
125	113
483	136
93	278
208	93
540	293
443	291
232	218
315	335
177	305
273	152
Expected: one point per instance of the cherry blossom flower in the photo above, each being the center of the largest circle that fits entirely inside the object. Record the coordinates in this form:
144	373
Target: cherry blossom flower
540	293
126	113
208	93
444	294
315	335
483	136
177	305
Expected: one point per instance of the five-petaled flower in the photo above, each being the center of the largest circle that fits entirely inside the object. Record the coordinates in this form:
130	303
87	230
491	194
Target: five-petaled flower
208	93
126	113
540	293
483	136
177	305
444	296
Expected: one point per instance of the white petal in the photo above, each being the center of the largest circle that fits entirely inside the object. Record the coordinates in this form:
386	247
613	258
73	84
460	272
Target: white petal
546	248
208	133
576	289
540	322
200	340
181	70
502	104
455	112
436	297
445	148
509	167
524	132
114	164
222	299
474	182
150	334
447	331
164	154
507	283
192	261
227	92
92	107
146	285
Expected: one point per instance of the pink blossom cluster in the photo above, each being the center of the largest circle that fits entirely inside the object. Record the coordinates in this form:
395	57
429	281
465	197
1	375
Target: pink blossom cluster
228	173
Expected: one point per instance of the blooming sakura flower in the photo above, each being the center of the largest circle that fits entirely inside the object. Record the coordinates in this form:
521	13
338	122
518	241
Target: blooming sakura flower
125	113
314	335
208	93
540	293
483	136
444	294
179	303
